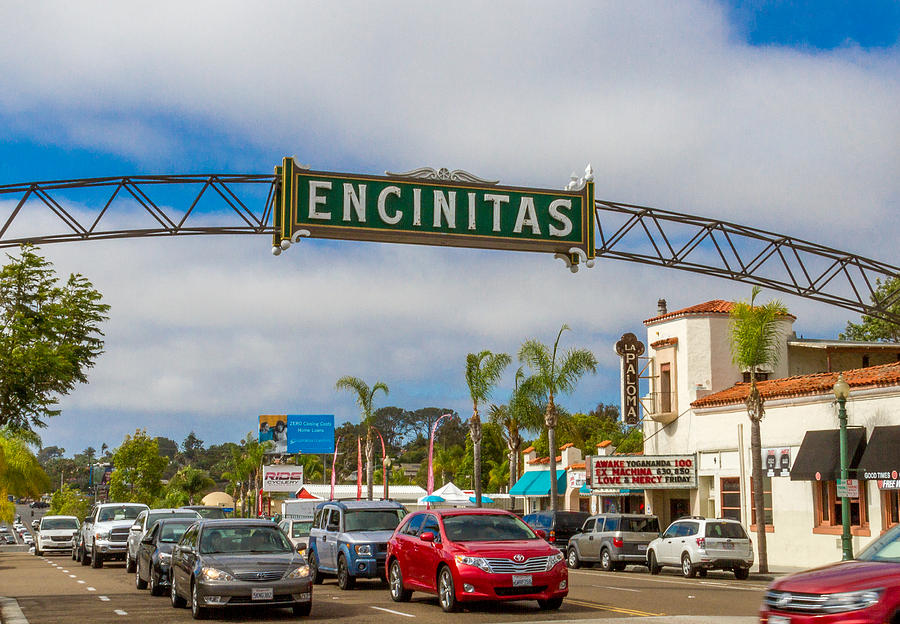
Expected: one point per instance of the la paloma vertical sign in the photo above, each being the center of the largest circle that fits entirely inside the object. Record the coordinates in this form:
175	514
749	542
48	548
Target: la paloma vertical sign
630	349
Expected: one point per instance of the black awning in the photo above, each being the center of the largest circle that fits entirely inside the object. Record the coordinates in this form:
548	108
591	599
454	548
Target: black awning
820	452
882	457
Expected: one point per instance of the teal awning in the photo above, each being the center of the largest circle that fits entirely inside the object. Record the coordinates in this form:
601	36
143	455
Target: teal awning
537	483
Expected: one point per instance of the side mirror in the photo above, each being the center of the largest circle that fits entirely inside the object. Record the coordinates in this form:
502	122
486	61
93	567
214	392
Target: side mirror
301	546
427	536
147	540
87	520
541	533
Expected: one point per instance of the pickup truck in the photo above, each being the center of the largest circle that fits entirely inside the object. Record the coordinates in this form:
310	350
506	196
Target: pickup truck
104	534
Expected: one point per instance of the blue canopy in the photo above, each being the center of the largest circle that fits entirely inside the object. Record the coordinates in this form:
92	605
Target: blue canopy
537	483
432	498
484	499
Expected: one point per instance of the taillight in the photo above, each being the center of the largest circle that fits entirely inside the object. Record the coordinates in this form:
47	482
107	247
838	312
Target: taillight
552	536
617	542
701	542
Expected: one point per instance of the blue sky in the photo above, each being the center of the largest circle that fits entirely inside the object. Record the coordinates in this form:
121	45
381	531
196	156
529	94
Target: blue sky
778	115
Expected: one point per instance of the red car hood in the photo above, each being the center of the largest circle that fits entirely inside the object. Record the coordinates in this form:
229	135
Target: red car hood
841	577
506	550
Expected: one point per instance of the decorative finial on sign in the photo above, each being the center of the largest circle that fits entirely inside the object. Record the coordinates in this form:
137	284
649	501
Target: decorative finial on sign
286	243
576	183
444	174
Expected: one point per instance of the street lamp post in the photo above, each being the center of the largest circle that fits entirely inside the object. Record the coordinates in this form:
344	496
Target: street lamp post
841	392
386	471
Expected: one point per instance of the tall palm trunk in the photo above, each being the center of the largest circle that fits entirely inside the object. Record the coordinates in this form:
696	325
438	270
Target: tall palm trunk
550	419
755	411
370	463
475	430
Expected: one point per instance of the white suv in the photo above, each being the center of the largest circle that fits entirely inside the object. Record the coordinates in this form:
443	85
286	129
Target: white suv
698	544
56	533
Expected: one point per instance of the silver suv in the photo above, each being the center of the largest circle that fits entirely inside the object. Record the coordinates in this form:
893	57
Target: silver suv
613	540
104	534
698	544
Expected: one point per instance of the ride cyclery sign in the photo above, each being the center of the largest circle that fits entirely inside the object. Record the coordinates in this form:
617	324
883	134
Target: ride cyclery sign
282	478
647	472
462	211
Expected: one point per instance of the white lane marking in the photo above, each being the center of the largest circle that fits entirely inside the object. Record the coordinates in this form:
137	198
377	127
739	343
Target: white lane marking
616	588
120	612
104	598
394	612
66	571
72	576
82	582
91	589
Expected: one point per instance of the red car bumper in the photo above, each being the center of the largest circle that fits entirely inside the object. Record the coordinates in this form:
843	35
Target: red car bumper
873	615
475	584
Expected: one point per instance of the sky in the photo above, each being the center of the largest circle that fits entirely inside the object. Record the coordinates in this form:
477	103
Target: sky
779	115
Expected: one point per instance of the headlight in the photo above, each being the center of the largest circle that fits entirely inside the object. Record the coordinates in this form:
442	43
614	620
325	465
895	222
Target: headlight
102	535
364	550
851	601
552	560
165	557
301	572
214	574
477	562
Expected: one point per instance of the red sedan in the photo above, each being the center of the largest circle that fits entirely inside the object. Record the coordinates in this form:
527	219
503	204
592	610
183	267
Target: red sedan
467	555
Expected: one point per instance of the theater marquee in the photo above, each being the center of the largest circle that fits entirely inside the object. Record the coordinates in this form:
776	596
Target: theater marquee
648	472
462	211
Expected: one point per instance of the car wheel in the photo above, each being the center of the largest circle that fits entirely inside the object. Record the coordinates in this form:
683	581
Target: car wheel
37	553
572	559
395	579
345	581
74	553
550	605
687	568
605	560
197	612
652	564
314	574
129	563
741	574
138	581
303	609
154	583
446	590
177	601
82	556
96	559
702	572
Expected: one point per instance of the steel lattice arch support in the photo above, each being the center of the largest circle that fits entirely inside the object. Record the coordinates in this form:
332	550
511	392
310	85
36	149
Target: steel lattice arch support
216	204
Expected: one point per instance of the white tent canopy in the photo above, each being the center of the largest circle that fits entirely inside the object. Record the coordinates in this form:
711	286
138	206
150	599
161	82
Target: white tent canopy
451	494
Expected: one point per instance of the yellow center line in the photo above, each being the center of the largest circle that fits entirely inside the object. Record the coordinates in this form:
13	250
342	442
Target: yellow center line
603	607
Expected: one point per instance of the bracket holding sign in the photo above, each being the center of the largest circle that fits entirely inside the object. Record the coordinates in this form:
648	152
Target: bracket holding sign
428	207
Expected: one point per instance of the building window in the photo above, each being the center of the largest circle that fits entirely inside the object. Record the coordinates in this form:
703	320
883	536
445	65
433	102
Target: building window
767	504
760	376
731	498
665	388
890	510
828	509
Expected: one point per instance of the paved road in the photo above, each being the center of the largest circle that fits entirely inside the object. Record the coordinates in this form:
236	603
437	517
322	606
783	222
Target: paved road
55	589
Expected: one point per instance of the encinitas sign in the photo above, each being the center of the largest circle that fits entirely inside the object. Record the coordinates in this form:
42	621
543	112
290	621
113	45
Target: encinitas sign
460	212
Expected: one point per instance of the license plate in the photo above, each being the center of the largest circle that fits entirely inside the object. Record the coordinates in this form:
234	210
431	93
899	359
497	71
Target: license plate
642	547
779	619
262	593
729	546
521	580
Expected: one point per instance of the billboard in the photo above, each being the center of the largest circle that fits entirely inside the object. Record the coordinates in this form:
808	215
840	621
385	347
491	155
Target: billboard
282	478
298	433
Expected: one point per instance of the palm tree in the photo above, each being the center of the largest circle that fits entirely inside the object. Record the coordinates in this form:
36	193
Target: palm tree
521	413
313	469
483	371
755	340
364	398
192	482
20	472
447	460
550	378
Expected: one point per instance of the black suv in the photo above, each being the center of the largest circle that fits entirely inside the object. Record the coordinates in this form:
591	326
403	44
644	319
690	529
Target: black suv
558	526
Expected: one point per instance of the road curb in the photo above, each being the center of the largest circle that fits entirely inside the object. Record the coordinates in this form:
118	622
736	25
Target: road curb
10	613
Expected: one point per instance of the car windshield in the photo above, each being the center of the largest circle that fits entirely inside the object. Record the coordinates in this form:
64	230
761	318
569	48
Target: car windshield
372	519
885	548
171	532
214	513
640	525
119	513
153	516
570	521
729	530
244	539
301	529
53	524
486	528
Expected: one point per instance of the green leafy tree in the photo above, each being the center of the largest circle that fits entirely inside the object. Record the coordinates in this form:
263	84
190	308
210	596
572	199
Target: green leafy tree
20	473
483	372
551	377
192	482
755	338
49	337
68	501
313	469
137	470
873	328
365	397
518	414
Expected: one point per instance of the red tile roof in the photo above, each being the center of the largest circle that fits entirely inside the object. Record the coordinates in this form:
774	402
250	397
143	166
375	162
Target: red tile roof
806	385
604	444
544	460
565	446
665	342
716	306
577	465
528	450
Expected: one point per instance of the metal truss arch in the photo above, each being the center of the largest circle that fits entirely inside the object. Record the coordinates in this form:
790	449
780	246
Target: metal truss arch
215	204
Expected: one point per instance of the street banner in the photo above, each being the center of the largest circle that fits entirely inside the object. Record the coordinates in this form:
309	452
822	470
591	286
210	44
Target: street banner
358	468
282	478
428	207
648	472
